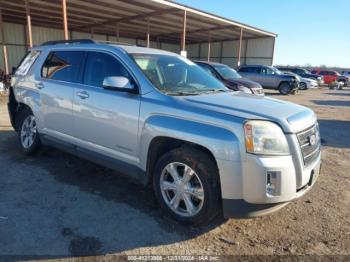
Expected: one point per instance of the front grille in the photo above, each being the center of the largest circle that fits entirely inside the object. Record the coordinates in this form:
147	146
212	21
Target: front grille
310	150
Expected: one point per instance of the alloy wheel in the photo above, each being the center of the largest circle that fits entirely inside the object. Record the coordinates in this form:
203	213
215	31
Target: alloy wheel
182	189
28	132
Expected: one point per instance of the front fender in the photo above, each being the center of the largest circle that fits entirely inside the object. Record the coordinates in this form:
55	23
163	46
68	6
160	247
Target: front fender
222	143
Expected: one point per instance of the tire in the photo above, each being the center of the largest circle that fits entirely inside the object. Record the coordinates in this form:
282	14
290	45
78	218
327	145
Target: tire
203	182
284	88
28	135
303	86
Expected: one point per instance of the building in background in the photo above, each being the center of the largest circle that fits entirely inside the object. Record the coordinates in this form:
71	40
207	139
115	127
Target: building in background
154	23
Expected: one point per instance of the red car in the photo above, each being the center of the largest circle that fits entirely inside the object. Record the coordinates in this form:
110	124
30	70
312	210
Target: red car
328	75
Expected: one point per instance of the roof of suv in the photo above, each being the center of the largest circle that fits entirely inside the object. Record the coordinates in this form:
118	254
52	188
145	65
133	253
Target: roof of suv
208	62
82	43
256	66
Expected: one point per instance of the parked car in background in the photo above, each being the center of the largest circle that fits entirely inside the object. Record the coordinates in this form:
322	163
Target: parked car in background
231	78
270	77
346	73
160	118
330	76
303	73
305	83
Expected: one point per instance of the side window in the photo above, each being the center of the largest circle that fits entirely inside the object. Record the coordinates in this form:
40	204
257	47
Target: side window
323	73
64	66
208	69
101	65
253	70
27	62
267	71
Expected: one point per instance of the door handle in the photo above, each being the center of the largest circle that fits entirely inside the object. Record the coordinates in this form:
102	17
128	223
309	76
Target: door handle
83	94
39	85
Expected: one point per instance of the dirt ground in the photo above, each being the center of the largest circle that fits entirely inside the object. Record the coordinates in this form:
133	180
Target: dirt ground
56	205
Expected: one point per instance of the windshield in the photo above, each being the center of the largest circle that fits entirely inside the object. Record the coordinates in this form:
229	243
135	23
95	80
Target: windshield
176	75
227	72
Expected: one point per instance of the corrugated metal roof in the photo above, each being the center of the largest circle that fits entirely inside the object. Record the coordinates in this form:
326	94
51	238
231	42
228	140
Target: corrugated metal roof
165	19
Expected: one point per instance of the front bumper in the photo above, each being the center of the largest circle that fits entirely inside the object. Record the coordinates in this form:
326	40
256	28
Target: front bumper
312	84
256	199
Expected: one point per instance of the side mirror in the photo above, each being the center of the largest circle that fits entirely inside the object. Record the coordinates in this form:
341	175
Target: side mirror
118	83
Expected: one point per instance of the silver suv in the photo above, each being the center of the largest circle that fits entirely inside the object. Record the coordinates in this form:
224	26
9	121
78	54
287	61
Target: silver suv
162	119
271	77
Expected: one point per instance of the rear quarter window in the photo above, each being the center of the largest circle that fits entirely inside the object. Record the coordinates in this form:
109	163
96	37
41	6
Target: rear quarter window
27	63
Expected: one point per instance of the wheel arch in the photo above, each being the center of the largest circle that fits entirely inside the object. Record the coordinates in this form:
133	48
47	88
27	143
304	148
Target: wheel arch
161	134
162	144
15	107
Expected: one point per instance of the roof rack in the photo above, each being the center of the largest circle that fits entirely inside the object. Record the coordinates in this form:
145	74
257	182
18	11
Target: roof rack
112	42
73	41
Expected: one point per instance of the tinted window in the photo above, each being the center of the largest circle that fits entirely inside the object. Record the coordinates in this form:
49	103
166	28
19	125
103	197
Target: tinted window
63	65
208	69
323	73
101	65
254	70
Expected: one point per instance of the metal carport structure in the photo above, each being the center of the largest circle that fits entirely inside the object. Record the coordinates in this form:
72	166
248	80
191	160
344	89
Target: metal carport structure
152	23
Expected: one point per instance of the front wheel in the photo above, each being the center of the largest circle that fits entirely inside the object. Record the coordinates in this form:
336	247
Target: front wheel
28	135
187	187
303	86
284	89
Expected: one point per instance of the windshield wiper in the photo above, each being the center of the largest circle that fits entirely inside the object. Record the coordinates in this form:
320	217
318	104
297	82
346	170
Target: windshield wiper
215	91
181	93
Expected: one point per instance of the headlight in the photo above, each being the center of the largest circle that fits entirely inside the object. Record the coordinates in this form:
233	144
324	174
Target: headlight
265	138
244	89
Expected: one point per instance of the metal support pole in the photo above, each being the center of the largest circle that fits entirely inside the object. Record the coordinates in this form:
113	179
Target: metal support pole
240	47
183	39
65	22
117	32
29	25
4	48
148	34
209	42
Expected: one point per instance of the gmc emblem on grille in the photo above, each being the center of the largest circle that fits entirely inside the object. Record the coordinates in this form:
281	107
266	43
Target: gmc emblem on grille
312	139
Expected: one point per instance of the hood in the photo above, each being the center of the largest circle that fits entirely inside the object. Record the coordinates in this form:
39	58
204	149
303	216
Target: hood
290	76
291	117
244	82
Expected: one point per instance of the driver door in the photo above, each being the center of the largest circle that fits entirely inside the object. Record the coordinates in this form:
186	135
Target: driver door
106	121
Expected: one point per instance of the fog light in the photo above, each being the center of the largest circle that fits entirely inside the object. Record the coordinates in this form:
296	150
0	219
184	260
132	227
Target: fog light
272	183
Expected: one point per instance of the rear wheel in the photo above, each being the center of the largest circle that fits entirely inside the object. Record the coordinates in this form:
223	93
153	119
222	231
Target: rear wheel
187	186
284	88
28	135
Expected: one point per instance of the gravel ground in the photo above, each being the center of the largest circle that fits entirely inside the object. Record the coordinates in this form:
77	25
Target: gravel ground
56	205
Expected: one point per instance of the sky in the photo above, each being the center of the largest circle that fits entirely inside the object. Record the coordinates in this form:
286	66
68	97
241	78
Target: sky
315	32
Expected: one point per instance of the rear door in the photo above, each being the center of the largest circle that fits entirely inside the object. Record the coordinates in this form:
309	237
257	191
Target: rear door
251	72
106	121
60	73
